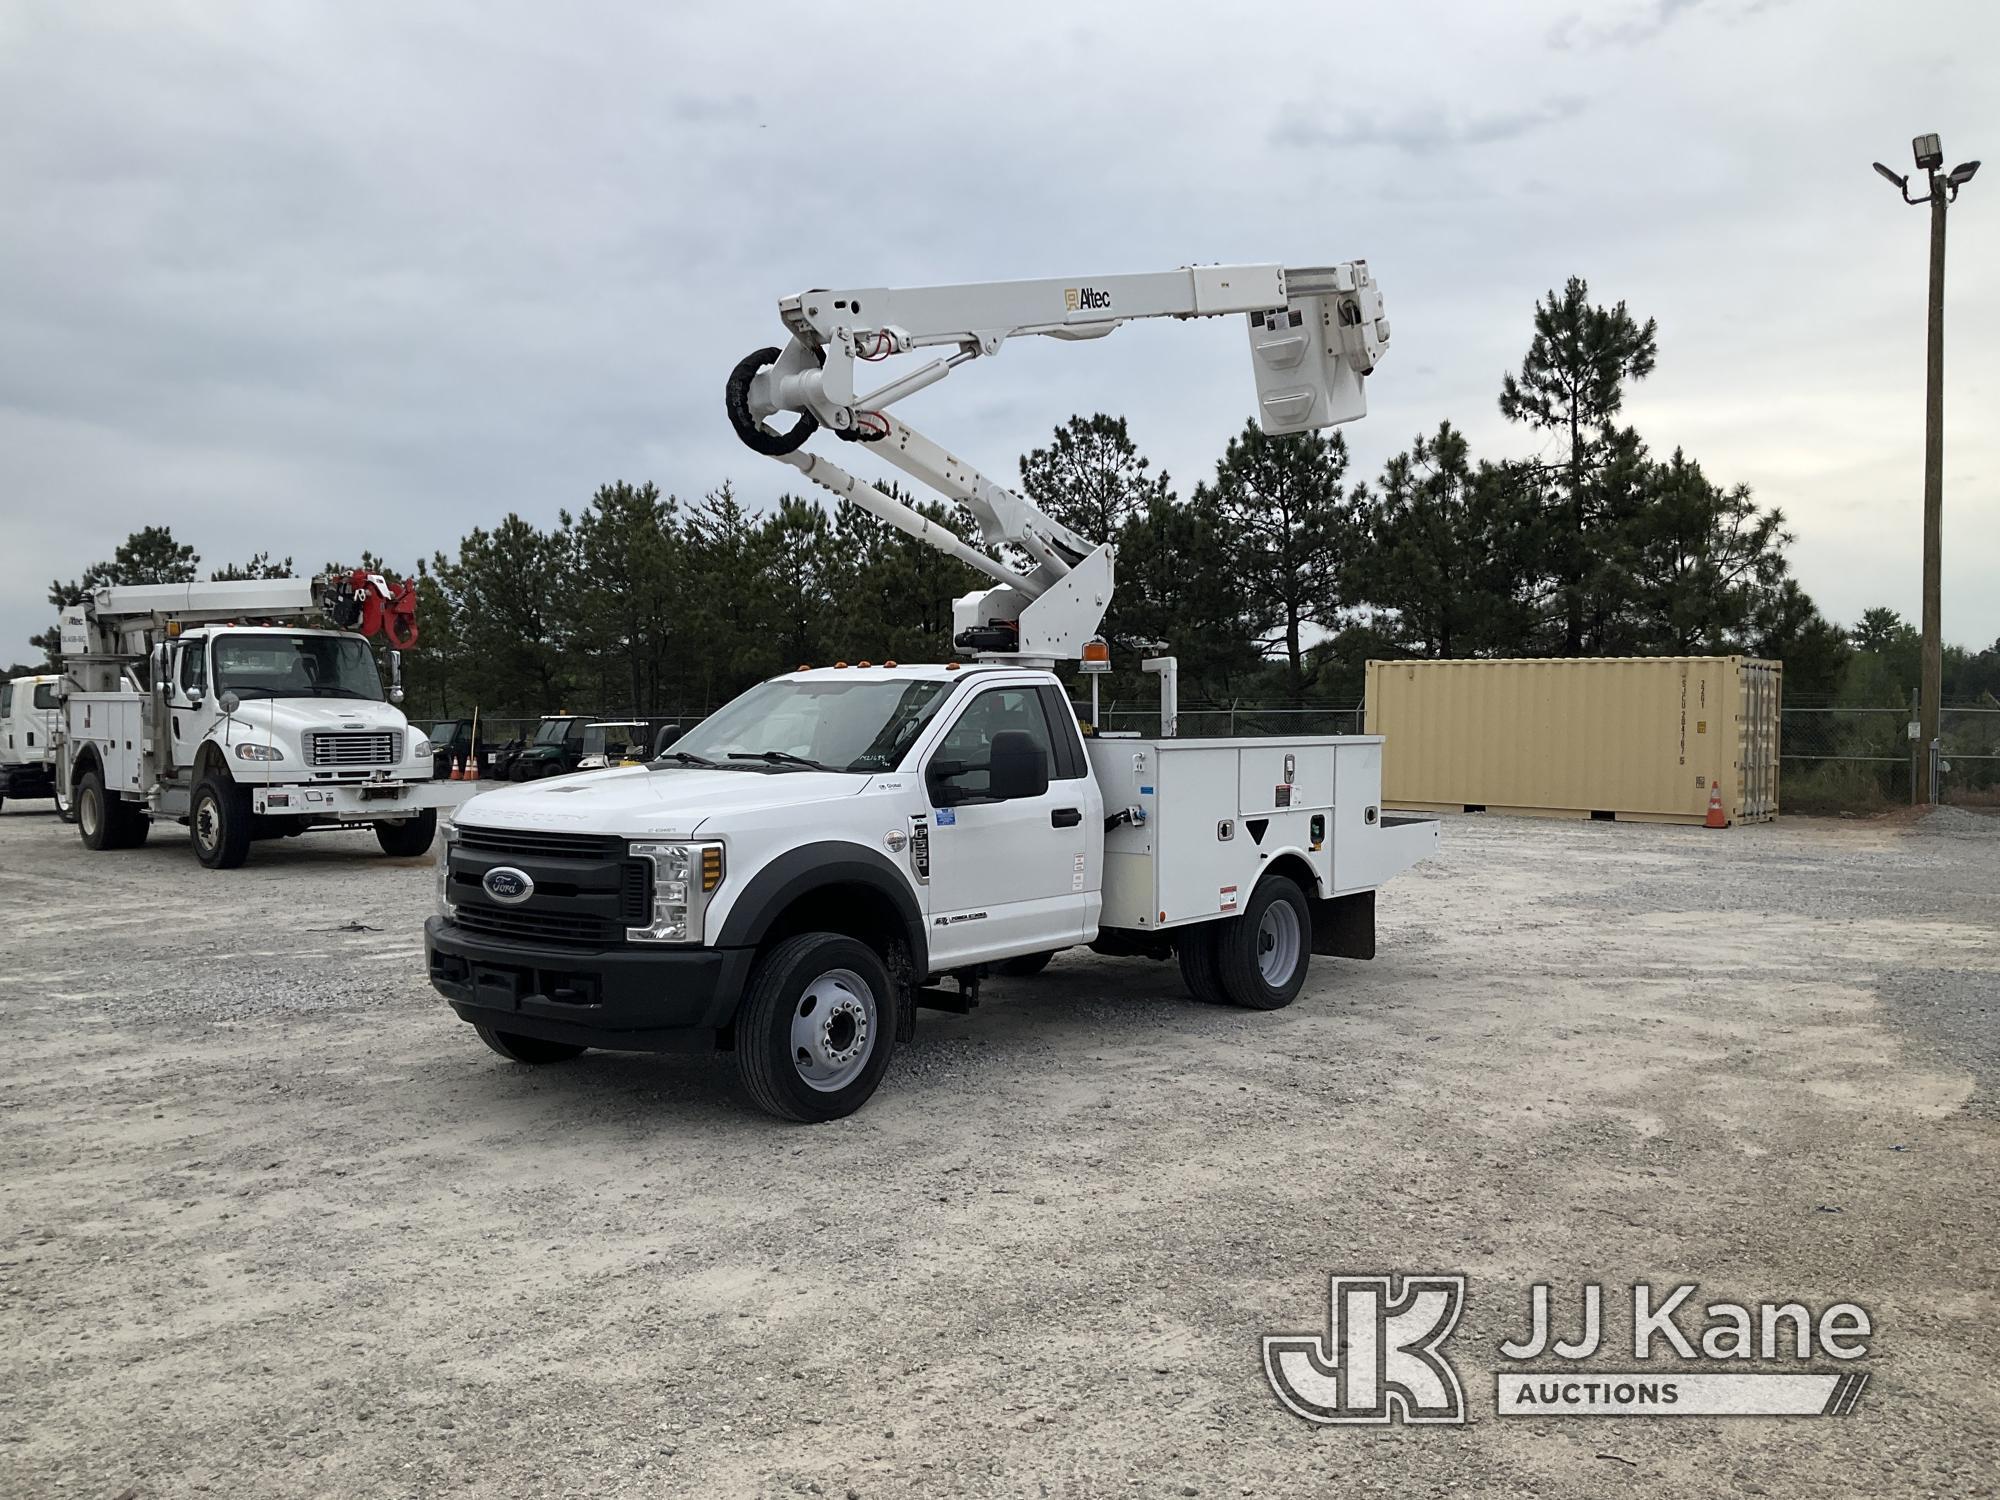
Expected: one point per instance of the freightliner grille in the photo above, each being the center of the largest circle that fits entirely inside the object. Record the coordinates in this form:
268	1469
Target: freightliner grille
339	749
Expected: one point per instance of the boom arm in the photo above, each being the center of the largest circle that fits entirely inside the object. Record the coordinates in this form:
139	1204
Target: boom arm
1314	333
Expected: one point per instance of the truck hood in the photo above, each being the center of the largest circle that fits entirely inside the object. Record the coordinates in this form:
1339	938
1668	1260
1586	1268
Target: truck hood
266	719
668	801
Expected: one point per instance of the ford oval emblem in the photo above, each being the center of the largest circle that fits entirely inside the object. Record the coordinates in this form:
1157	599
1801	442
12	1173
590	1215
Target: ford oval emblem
508	885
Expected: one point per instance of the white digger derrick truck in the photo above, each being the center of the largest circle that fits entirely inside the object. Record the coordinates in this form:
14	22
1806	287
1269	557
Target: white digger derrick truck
795	875
245	709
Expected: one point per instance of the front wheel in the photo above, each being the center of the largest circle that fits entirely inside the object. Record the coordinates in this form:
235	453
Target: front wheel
219	822
1261	956
410	837
816	1030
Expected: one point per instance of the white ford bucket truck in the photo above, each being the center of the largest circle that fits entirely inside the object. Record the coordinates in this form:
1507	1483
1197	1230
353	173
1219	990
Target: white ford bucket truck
206	704
794	876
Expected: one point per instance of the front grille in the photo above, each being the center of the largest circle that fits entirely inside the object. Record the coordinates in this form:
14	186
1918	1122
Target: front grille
533	841
341	748
571	929
587	890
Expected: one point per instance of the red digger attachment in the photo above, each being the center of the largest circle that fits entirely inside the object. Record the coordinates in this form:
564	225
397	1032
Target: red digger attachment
368	603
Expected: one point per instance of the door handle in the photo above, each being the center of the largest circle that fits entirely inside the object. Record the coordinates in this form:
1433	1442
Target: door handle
1066	817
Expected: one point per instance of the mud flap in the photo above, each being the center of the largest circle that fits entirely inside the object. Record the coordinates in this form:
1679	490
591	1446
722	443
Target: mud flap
1344	926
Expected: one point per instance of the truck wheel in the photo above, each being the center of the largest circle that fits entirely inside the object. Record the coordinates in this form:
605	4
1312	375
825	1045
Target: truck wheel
815	1032
1195	948
527	1049
1261	956
409	838
219	823
1026	964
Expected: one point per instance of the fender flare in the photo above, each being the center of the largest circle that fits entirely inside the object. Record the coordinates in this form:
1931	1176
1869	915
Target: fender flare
798	872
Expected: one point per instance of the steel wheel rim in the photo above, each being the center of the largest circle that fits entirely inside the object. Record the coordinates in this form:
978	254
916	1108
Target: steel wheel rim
206	819
833	1030
1278	943
89	813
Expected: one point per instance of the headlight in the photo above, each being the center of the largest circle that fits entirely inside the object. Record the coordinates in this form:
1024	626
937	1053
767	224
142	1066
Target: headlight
420	749
259	752
684	877
448	831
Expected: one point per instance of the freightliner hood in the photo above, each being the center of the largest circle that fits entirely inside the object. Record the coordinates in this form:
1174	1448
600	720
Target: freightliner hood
668	801
264	720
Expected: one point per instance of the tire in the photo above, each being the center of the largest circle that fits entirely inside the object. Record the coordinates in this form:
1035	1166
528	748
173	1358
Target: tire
104	821
93	812
517	772
531	1050
409	838
1025	965
219	820
829	1000
1261	956
1195	948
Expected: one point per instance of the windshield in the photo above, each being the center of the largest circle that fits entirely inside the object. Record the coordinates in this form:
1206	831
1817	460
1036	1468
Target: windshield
553	731
857	725
295	666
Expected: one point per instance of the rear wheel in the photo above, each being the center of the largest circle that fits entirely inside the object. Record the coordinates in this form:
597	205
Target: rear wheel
527	1049
409	838
815	1032
219	822
1195	948
1261	956
104	821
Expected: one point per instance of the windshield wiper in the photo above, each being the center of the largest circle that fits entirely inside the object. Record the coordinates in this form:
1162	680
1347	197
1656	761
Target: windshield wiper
689	758
779	758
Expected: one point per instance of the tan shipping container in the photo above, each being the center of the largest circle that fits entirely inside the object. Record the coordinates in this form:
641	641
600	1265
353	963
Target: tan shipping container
1637	737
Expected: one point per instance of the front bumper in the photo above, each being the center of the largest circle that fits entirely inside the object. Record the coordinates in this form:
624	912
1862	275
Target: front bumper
622	999
358	801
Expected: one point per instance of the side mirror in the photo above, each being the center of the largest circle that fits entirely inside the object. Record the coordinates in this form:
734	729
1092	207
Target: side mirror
229	702
1020	767
395	677
664	741
196	697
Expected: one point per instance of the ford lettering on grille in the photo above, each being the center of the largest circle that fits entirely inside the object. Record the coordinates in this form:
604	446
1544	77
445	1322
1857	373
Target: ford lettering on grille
508	885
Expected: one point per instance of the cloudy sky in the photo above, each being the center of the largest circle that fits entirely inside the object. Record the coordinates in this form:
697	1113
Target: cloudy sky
314	278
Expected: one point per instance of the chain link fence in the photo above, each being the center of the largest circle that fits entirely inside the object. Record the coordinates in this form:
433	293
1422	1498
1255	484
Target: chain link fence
1847	757
1834	758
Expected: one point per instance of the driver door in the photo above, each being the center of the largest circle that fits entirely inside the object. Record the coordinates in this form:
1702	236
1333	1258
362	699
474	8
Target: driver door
1007	872
188	709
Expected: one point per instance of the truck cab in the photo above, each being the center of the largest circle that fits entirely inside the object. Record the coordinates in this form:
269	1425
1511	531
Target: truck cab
242	731
799	872
29	710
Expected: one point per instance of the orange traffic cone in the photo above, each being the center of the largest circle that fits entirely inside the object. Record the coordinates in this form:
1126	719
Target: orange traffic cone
1717	818
472	768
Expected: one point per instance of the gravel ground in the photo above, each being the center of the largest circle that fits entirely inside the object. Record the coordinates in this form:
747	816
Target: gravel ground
272	1222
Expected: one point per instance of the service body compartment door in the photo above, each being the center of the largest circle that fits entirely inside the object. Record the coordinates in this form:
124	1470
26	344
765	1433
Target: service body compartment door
1207	862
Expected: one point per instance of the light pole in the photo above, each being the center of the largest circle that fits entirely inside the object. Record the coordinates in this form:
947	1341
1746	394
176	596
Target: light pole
1942	190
